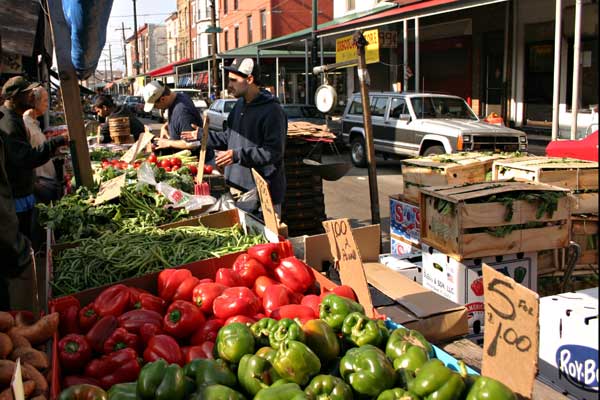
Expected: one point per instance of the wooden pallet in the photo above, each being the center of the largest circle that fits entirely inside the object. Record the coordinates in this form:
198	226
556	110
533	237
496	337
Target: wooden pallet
577	175
307	129
456	232
446	169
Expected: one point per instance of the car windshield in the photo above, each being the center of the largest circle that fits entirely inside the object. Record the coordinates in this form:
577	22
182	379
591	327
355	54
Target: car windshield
228	106
441	107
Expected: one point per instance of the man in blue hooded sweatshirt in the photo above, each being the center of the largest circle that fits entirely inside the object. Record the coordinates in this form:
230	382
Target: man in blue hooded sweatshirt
255	137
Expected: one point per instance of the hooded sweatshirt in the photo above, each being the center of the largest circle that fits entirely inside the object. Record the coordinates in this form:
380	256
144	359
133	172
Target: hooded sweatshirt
256	133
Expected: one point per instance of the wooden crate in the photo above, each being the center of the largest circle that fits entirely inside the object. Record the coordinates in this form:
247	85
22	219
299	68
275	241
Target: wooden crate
446	169
460	232
581	177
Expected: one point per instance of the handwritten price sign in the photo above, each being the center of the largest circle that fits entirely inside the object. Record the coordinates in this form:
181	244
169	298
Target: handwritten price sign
345	252
138	146
266	203
511	337
110	189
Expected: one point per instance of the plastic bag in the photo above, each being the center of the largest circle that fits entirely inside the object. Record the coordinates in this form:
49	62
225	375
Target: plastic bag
248	201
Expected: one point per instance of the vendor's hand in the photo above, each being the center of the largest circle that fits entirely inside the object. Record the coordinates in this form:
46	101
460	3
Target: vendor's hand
190	135
162	144
224	158
164	132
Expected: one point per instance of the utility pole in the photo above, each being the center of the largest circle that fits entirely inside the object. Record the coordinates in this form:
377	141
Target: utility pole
213	35
136	62
124	45
314	50
112	78
189	17
104	73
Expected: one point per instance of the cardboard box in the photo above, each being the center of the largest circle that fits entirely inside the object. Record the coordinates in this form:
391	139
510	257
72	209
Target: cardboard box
569	342
409	265
416	307
405	219
462	282
400	246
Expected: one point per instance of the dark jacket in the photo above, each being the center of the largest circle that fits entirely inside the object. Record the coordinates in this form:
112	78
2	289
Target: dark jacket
256	133
135	125
182	114
14	247
21	158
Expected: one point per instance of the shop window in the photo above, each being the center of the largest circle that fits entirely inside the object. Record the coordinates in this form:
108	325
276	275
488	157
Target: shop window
226	41
235	4
263	24
588	74
356	107
249	23
350	5
378	106
236	37
225	6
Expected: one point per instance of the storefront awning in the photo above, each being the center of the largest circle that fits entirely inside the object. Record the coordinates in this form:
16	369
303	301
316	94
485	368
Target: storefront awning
168	69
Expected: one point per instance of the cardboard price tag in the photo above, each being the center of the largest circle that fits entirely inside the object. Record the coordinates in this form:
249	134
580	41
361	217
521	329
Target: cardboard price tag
16	382
110	189
511	336
345	252
262	187
137	147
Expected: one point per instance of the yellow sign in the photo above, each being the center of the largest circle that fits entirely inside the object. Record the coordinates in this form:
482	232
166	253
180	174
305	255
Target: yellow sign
345	49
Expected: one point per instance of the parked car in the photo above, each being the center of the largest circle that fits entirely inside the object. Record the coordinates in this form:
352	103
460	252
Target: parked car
119	100
135	104
303	112
218	112
582	149
413	124
194	94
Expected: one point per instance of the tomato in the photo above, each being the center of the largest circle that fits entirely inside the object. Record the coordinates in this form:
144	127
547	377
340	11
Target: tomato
136	164
106	164
208	169
152	158
115	162
104	160
175	161
165	164
168	169
175	167
123	165
193	169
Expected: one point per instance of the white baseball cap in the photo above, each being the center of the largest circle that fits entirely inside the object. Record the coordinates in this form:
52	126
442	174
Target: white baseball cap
152	92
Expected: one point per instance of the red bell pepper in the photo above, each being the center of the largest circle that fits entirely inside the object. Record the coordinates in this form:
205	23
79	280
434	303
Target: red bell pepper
148	331
249	269
313	301
117	367
206	280
228	277
182	319
242	319
69	320
169	280
134	296
133	320
101	331
294	274
72	380
208	332
205	350
147	301
74	352
165	347
292	311
120	339
342	290
204	295
186	289
274	297
113	301
268	254
87	317
262	283
236	301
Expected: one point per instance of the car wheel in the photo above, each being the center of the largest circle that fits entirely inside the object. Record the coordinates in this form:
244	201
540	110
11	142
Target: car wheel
431	150
358	152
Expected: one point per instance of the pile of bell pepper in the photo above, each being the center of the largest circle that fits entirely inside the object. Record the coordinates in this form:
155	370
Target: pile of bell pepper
261	330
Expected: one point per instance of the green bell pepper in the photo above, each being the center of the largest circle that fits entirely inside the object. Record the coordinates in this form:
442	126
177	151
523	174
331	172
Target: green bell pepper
334	309
397	394
255	373
210	372
489	389
123	391
158	380
321	339
296	361
233	341
217	392
436	381
412	359
262	329
367	370
327	387
286	329
268	353
402	339
362	330
281	391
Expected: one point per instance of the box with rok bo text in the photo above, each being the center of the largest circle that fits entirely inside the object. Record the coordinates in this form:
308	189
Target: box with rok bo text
569	342
409	265
462	282
405	219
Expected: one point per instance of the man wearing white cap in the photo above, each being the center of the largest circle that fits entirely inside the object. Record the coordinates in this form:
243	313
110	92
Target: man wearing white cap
182	113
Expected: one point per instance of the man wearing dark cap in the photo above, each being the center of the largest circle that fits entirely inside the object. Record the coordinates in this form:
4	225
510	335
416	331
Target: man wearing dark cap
106	108
21	158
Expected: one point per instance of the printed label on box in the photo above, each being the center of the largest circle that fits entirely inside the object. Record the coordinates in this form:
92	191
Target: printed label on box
399	247
405	220
578	365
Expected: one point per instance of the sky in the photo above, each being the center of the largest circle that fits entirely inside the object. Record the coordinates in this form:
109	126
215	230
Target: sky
148	11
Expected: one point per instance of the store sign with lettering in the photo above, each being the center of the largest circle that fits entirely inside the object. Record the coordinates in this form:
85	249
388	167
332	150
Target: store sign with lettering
345	49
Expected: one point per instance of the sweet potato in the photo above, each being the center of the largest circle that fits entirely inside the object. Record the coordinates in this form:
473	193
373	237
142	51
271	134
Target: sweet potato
30	355
39	397
30	373
28	388
39	332
22	319
7	368
6	345
18	340
6	321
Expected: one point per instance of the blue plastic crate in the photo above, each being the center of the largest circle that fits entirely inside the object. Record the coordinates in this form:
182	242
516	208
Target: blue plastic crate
440	354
